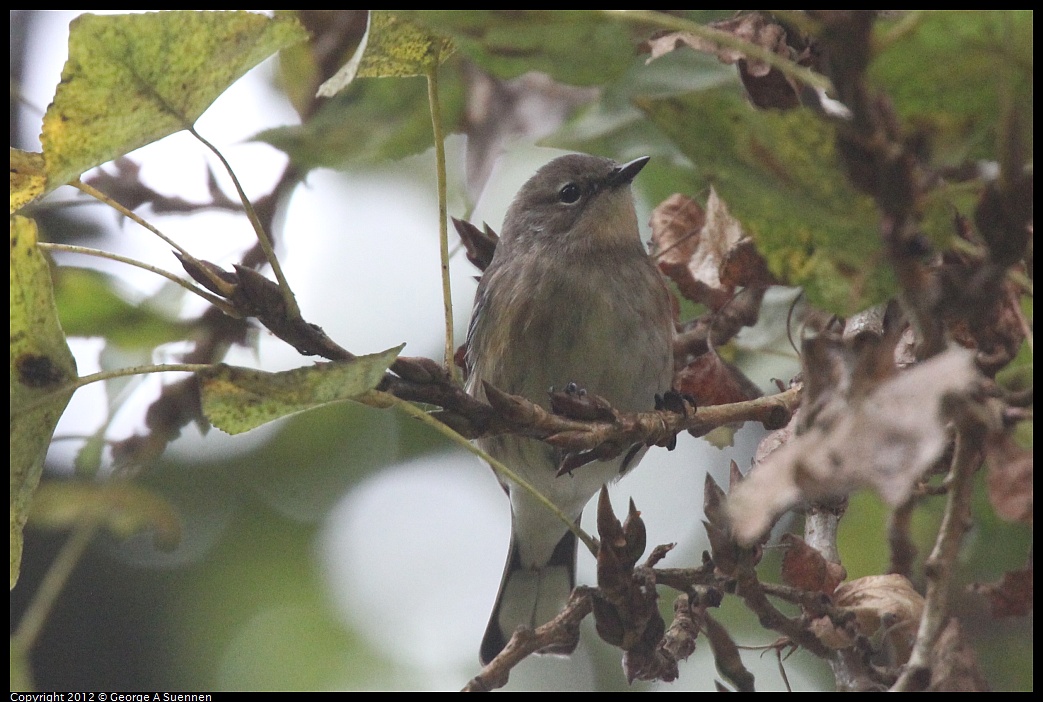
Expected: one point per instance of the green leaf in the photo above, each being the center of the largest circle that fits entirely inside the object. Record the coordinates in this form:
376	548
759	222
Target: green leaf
42	372
154	74
375	121
951	75
239	399
89	305
122	508
613	125
780	177
393	47
578	47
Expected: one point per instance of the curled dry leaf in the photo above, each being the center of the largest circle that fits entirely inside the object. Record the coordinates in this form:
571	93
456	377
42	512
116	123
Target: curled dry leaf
711	380
479	243
768	87
753	28
676	224
699	250
886	439
887	609
805	568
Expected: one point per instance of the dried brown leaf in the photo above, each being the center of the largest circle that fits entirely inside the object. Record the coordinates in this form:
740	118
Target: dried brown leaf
884	604
695	247
768	87
743	265
805	568
720	234
954	664
1011	596
713	381
726	655
753	28
887	440
1010	479
480	243
676	224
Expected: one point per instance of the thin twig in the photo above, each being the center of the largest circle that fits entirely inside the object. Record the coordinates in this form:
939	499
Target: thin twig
730	41
293	311
52	585
129	214
443	215
939	567
212	299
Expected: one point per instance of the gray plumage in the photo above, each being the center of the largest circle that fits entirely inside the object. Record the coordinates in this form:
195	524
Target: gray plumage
570	296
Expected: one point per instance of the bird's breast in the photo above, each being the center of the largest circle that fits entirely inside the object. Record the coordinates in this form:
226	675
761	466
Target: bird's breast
606	328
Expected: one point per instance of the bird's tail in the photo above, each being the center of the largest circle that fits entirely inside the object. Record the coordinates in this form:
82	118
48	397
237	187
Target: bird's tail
531	597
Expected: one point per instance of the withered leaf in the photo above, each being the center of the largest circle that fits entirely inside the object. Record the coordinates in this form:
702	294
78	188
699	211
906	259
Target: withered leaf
805	568
695	246
884	601
886	439
1011	596
713	381
1010	480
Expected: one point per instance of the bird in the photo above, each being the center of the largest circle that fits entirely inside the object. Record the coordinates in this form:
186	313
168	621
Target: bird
571	298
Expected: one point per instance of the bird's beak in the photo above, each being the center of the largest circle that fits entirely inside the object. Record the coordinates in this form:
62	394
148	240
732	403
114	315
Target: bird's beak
622	175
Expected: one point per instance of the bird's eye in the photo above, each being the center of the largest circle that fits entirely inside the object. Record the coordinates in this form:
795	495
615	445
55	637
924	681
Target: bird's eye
569	193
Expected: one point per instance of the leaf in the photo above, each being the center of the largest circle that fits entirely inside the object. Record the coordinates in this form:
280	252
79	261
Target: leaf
572	46
766	86
28	178
779	174
237	399
123	508
886	440
705	252
21	668
375	121
393	47
991	53
806	569
89	305
155	74
1011	596
711	380
887	606
1010	479
677	224
42	371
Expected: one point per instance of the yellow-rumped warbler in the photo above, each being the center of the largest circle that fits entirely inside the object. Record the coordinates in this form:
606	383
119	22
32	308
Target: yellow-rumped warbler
571	296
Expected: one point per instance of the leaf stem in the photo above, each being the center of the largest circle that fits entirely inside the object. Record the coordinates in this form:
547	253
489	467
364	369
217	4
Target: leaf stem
102	197
53	583
212	299
108	375
502	470
664	21
443	214
293	311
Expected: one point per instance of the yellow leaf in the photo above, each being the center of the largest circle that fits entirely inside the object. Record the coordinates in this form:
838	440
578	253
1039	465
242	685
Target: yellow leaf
123	508
392	47
28	178
42	371
133	79
239	399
